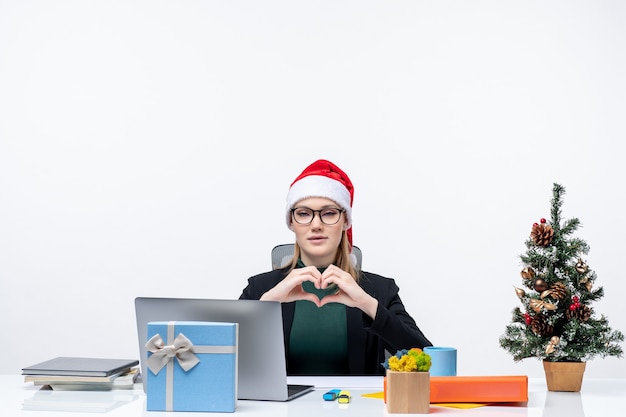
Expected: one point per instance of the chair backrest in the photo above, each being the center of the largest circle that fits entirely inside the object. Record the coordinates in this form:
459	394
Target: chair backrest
282	254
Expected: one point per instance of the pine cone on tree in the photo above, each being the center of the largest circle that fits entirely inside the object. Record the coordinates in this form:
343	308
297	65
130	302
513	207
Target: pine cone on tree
541	234
581	313
540	326
557	291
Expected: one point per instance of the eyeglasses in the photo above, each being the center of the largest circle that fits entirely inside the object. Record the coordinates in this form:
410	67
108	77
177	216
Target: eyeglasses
305	215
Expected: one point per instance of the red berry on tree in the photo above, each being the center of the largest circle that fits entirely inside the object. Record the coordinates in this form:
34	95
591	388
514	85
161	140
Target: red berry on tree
543	220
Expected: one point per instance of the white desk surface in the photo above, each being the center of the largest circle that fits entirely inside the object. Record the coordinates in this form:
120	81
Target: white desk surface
598	398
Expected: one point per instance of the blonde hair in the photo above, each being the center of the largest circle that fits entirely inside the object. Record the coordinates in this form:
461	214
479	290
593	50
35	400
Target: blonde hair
343	258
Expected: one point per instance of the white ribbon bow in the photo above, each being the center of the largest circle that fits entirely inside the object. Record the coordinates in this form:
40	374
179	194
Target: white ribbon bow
182	350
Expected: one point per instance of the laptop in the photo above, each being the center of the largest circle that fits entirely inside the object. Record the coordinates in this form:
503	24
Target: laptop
262	369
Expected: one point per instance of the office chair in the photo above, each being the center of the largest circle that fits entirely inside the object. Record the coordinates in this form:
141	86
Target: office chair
282	254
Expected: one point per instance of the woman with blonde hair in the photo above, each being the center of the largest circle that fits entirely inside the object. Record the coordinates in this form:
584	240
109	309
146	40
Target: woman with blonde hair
337	319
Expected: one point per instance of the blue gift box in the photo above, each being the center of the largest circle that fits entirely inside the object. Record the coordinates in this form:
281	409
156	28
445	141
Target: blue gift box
192	366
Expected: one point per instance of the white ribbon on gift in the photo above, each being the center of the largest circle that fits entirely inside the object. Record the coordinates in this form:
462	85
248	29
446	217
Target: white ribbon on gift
183	350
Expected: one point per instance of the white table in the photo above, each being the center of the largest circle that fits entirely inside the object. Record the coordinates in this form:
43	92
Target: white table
598	398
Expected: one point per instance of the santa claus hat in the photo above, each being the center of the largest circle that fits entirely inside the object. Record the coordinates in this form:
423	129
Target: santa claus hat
323	179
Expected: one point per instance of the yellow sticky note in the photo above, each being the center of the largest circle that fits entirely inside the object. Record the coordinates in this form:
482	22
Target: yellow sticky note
378	395
463	406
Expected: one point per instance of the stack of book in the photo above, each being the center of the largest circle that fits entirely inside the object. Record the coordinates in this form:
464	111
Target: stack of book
74	373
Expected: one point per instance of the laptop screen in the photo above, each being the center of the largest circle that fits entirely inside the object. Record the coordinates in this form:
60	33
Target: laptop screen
262	369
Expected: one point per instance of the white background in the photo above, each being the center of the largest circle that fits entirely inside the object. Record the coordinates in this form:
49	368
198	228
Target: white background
146	149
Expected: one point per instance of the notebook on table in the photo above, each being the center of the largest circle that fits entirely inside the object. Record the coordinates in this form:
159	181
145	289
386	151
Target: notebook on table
262	369
83	367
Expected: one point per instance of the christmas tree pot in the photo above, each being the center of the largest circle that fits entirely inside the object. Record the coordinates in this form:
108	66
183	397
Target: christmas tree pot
564	376
407	392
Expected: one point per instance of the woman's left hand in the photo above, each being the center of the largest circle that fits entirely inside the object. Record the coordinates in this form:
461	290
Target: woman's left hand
349	292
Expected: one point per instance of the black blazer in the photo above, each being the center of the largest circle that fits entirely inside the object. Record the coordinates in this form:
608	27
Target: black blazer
392	330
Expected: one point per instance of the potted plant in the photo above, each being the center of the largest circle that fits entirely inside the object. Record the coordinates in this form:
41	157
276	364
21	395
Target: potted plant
557	322
407	382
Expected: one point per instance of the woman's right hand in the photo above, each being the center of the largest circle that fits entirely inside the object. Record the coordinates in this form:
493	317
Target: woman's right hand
290	288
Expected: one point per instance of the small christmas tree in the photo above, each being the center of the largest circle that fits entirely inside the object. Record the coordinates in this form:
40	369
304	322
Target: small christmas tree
557	322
